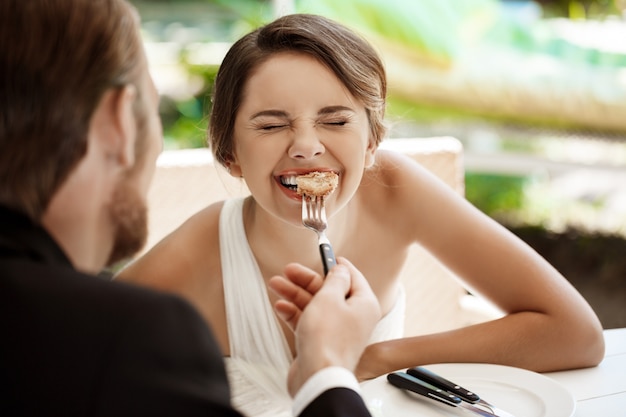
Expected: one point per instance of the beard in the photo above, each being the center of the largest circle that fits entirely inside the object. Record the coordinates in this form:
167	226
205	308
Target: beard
129	216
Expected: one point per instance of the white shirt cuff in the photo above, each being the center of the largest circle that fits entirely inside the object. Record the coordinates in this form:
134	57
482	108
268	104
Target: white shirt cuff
327	378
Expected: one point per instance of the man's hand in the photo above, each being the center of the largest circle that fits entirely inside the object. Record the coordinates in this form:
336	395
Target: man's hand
333	318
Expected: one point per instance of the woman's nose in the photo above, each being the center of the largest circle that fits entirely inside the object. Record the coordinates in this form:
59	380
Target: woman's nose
306	145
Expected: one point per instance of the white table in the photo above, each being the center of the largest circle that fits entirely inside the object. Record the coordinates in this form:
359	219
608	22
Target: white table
600	391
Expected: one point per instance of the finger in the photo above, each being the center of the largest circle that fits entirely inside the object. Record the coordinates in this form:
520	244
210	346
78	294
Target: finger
288	313
289	291
360	292
337	282
359	284
304	277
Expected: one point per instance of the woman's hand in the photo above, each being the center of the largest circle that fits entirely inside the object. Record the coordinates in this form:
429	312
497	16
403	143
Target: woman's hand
333	318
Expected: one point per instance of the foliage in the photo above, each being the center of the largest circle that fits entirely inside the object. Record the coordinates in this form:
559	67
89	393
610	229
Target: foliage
580	9
185	122
429	28
495	195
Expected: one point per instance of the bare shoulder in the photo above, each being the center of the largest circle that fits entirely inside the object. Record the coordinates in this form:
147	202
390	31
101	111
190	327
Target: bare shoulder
404	193
395	177
187	263
394	168
185	259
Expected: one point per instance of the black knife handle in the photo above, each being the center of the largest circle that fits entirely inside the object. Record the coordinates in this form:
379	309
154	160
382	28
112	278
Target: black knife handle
408	382
440	382
328	257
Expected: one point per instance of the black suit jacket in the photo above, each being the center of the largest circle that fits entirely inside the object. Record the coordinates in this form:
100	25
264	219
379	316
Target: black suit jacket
77	345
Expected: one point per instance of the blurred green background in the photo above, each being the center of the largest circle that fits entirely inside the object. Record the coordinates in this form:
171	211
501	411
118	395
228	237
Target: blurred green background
455	52
535	91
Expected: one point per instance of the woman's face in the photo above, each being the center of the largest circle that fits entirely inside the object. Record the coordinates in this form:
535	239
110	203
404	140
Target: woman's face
297	117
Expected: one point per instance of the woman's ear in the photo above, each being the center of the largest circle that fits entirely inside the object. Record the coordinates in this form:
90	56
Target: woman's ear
234	168
370	154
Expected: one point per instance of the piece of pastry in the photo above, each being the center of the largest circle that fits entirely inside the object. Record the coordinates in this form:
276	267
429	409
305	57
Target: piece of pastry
320	184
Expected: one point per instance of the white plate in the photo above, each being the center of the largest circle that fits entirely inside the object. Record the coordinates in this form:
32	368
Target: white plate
518	391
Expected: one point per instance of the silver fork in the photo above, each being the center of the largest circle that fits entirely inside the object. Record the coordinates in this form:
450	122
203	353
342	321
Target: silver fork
314	218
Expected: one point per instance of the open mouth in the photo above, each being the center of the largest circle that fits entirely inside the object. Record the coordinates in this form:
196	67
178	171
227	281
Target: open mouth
289	181
314	183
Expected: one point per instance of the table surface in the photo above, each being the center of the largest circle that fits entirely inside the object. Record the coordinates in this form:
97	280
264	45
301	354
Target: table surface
600	391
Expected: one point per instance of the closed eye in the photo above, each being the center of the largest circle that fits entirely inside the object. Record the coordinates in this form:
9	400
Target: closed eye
271	127
268	120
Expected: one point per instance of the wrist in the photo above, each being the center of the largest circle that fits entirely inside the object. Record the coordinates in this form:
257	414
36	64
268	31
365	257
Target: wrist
312	360
375	361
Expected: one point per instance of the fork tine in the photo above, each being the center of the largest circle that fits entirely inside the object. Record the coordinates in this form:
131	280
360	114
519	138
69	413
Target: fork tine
314	218
322	208
307	207
315	208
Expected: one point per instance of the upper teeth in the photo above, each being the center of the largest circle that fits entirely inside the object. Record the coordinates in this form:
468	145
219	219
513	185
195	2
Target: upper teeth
288	179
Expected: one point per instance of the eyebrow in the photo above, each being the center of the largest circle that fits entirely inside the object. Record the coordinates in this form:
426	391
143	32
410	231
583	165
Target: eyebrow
281	113
334	109
275	113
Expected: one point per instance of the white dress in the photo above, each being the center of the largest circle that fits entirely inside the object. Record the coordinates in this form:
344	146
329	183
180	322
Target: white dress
259	353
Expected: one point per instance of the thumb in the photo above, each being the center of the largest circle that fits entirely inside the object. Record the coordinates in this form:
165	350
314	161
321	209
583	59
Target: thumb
338	281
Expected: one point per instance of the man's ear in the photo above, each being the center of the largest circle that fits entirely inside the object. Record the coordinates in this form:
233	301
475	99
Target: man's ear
113	125
125	123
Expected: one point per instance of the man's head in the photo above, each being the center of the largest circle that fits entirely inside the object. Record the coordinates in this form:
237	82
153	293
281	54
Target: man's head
61	63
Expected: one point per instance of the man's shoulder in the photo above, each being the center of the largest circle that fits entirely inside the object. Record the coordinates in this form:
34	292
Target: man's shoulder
99	340
32	291
75	343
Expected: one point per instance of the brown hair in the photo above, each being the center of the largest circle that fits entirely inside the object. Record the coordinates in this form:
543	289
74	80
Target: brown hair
352	59
57	59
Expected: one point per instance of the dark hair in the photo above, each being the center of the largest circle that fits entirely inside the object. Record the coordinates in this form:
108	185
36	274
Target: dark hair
57	59
352	59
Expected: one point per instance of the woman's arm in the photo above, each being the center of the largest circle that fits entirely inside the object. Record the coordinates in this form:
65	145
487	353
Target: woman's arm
547	324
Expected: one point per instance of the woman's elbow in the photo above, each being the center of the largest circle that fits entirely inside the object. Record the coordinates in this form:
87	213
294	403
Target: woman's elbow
594	346
587	343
